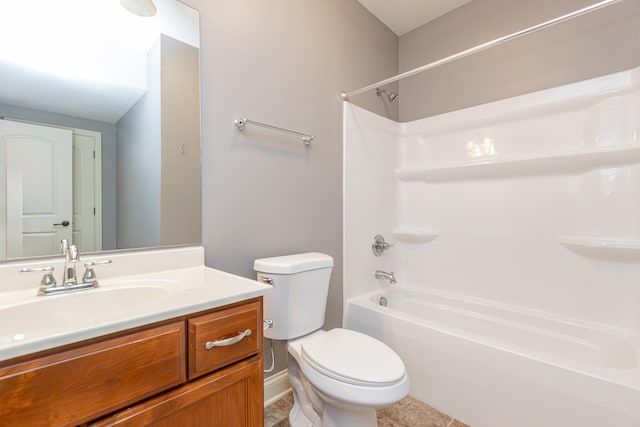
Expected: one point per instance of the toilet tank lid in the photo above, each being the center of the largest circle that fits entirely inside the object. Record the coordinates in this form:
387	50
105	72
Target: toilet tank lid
290	264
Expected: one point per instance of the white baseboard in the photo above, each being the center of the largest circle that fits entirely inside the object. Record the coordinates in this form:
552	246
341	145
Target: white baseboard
276	387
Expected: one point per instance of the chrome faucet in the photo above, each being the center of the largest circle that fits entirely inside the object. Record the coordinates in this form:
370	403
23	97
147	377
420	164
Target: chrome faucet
49	286
71	258
384	275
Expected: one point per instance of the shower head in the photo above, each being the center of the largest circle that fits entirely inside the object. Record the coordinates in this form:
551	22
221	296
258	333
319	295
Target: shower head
391	95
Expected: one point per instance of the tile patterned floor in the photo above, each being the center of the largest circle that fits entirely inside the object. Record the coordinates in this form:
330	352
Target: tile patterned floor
409	412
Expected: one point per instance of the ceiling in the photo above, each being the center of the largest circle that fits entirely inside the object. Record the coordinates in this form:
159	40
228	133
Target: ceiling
402	16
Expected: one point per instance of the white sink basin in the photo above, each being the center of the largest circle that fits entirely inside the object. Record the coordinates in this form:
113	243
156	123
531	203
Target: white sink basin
47	314
139	288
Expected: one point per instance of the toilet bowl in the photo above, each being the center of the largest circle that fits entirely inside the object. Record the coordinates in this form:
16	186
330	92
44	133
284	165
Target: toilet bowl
339	377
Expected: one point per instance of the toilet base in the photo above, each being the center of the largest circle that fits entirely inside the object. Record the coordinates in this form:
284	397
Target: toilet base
334	417
297	418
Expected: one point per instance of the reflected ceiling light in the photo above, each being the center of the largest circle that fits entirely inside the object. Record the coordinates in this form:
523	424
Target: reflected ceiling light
144	8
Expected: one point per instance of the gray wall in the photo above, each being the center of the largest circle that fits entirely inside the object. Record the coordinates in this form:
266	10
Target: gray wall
602	42
282	62
139	161
158	186
108	142
180	125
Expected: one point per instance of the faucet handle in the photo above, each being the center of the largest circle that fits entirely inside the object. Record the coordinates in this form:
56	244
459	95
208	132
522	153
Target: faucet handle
89	274
64	246
379	245
47	275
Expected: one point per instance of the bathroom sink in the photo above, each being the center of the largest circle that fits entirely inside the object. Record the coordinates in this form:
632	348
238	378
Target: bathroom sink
41	315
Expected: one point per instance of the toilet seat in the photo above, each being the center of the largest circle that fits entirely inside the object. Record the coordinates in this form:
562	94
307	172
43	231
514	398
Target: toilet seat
332	384
353	358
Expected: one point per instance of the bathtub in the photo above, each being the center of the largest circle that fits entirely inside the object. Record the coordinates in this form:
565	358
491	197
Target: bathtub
493	365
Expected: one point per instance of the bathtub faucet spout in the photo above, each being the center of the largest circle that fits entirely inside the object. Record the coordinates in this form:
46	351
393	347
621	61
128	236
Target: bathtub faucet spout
384	275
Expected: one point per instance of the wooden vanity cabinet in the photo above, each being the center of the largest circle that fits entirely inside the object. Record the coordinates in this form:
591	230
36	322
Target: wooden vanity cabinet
231	397
146	371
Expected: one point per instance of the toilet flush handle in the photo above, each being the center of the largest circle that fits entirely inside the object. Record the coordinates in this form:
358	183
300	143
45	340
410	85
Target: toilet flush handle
266	279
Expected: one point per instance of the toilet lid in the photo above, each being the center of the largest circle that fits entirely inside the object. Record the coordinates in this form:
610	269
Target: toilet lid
354	358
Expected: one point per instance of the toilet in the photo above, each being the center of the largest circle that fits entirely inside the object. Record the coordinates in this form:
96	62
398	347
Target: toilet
339	377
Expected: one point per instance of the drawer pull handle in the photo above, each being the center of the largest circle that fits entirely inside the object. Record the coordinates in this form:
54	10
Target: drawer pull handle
229	341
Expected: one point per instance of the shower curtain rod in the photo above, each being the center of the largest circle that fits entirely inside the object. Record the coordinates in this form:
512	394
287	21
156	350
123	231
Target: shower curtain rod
345	96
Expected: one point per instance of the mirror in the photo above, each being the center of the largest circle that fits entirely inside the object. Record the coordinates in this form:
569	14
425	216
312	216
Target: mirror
100	129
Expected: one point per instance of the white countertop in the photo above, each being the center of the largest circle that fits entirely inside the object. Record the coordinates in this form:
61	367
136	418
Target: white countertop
189	288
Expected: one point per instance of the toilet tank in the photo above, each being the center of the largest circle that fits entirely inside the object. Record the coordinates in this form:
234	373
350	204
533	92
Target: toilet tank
298	300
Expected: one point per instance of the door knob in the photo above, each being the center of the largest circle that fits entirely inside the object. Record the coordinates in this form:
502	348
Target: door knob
63	223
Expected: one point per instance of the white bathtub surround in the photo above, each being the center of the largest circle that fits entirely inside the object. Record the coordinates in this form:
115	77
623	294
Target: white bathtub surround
518	222
370	157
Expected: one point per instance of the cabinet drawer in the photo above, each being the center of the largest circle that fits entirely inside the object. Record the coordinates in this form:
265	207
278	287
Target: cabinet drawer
223	337
75	386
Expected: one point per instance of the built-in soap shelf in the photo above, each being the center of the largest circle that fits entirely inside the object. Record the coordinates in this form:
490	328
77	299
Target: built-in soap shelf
575	162
603	247
415	235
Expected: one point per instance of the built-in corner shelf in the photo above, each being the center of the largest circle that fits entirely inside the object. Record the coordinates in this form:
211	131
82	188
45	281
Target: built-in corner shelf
415	235
603	248
575	162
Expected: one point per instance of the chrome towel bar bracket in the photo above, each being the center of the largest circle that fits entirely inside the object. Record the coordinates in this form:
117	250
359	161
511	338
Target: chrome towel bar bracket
240	124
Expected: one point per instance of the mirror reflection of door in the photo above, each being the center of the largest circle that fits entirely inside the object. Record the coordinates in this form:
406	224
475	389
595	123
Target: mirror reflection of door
37	179
87	191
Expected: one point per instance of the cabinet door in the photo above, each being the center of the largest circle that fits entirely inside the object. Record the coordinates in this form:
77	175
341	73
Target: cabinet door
78	385
231	397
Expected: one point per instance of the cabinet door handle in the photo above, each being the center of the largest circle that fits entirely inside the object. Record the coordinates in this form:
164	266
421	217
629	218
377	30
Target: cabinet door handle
229	341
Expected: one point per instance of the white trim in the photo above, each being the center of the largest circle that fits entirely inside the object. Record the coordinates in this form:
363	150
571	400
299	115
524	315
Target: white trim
97	193
97	186
276	387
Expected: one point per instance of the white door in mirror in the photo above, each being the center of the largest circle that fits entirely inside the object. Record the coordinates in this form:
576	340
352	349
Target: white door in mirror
87	190
37	216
